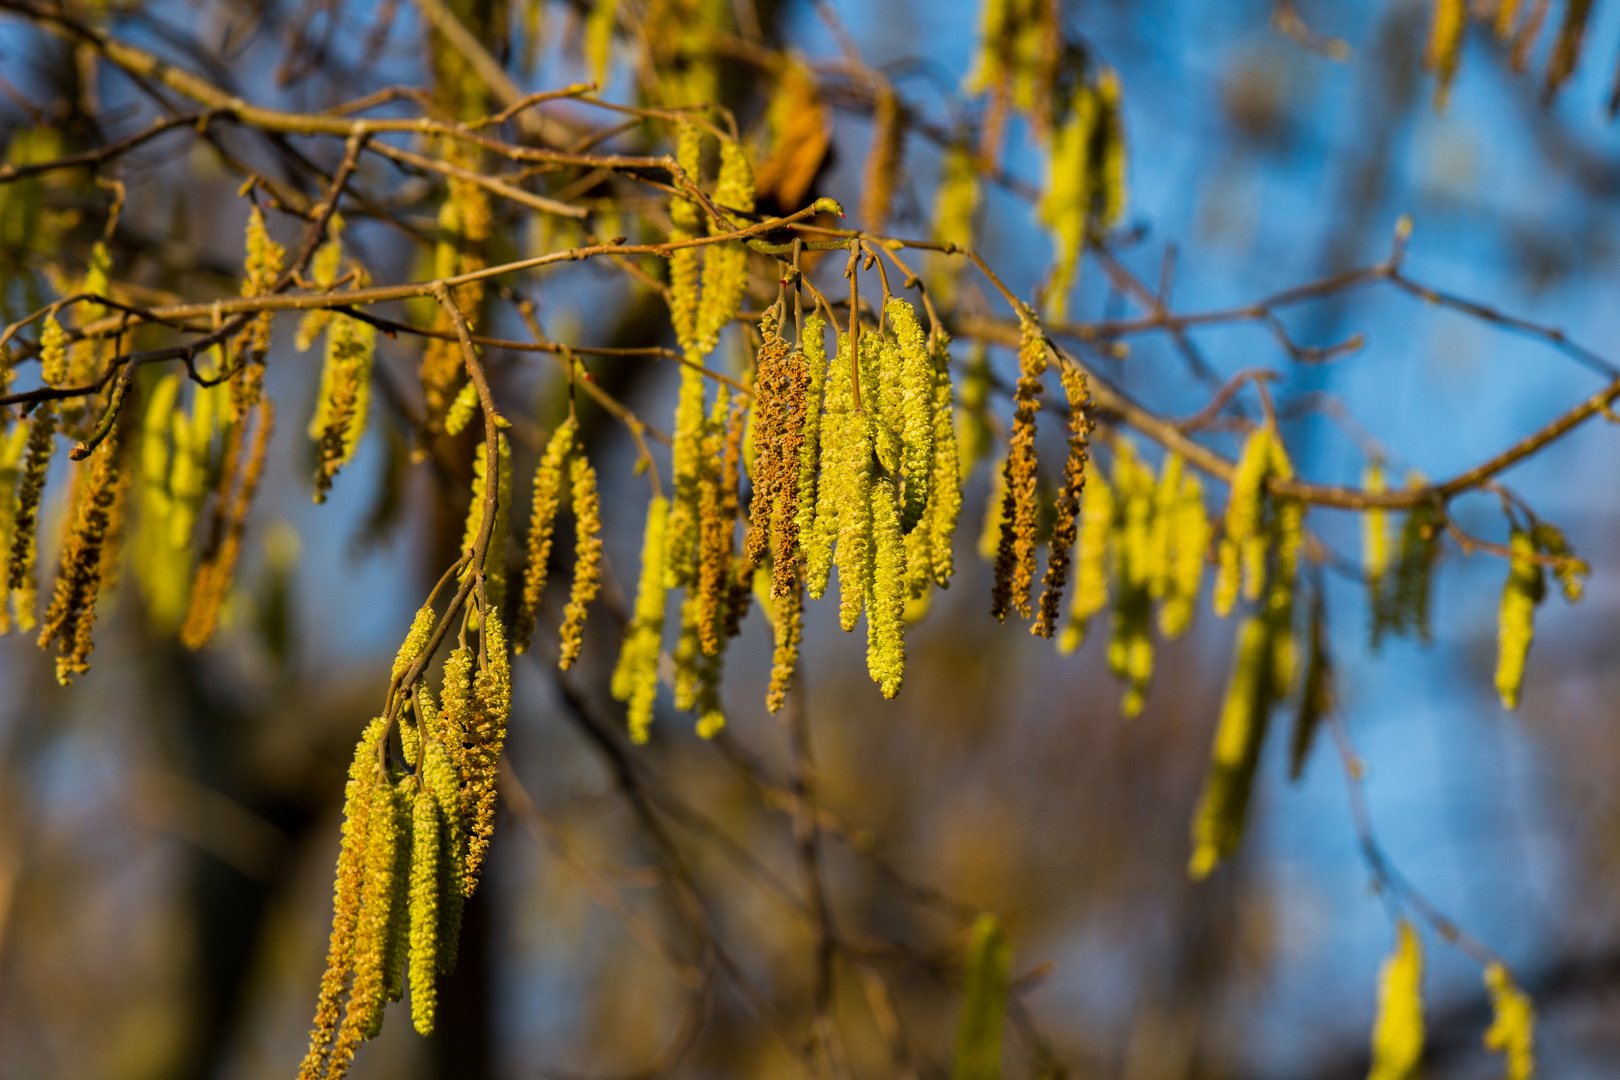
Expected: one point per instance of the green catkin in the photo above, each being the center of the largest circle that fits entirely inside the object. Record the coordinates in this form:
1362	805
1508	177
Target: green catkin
1065	523
494	565
1402	606
162	566
725	265
716	526
426	839
462	409
687	465
813	344
548	482
945	488
635	677
1525	588
886	601
973	435
1569	571
853	555
340	412
53	354
1397	1035
1015	557
587	559
415	641
684	262
346	900
1066	206
1218	825
20	582
1189	543
1448	21
1513	1024
918	408
484	739
374	928
1244	510
787	620
1315	695
986	982
1091	570
439	774
994	507
832	484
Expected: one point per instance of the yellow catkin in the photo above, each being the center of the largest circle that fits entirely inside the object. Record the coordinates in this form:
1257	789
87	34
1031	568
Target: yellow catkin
886	598
1447	22
214	576
995	502
687	463
956	199
1066	521
53	353
439	774
685	262
548	481
1218	824
72	610
1513	1024
484	738
1015	557
340	411
1568	571
1244	510
12	443
918	407
587	559
1130	648
880	397
787	622
426	837
1397	1035
635	678
884	159
1097	508
1506	14
346	899
1162	542
716	527
259	273
161	566
836	429
494	564
725	266
1189	547
813	344
853	555
697	676
323	273
387	836
20	580
1525	588
1374	530
945	489
1066	207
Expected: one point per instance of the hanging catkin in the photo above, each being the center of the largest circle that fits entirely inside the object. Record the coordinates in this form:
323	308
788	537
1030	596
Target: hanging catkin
439	774
587	559
813	346
1091	574
1218	825
494	560
548	482
945	488
1015	556
1447	23
883	159
635	678
725	265
1526	586
887	591
1374	532
1513	1021
787	621
1066	206
838	429
1397	1035
213	579
426	837
717	518
684	262
1065	525
259	273
20	579
917	409
687	463
12	443
853	496
1244	511
98	497
484	738
340	411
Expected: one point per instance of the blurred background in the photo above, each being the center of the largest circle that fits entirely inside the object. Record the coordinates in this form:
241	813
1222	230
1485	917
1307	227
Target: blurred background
169	824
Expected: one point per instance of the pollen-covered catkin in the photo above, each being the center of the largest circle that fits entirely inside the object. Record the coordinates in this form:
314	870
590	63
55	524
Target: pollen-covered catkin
917	409
886	600
1065	524
1568	571
340	411
838	428
725	265
717	517
426	837
20	581
1513	1024
945	488
813	347
213	578
587	559
11	453
1091	572
1244	510
1015	556
687	464
346	900
69	619
374	930
494	564
1218	825
439	774
854	552
635	677
1397	1035
1525	588
548	482
485	736
787	621
1189	545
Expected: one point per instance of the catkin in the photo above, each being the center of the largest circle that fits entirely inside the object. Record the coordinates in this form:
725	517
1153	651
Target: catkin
1402	606
725	265
340	412
1447	22
1065	524
20	581
53	354
853	555
945	487
12	443
548	480
1525	588
346	900
587	559
1097	507
424	910
1244	510
1066	206
917	383
717	515
386	835
1189	544
887	591
1513	1020
71	615
697	676
494	562
787	620
483	740
1218	825
884	159
213	578
687	463
439	774
1397	1035
813	347
1316	695
1374	531
1568	571
635	677
260	270
836	431
1015	557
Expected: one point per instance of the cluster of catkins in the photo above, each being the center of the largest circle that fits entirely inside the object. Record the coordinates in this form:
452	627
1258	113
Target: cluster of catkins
415	833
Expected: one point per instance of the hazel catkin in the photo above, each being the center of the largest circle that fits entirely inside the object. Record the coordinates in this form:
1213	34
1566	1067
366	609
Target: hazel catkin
587	559
548	482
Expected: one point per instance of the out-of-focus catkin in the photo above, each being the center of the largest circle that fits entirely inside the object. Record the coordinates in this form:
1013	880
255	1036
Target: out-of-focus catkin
1223	808
1097	509
725	265
1447	22
1244	512
494	561
1513	1024
1526	586
1066	522
1397	1035
635	678
340	411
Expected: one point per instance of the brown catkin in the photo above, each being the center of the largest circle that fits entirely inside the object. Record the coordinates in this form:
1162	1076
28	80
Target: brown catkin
213	579
1015	555
716	528
587	559
78	575
20	581
775	469
1567	48
1065	526
548	480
